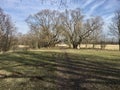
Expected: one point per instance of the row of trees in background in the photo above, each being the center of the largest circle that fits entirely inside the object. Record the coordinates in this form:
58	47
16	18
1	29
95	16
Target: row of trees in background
51	27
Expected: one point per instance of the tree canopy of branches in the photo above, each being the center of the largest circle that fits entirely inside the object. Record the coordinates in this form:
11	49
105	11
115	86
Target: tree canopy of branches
96	34
115	26
7	31
44	28
61	3
48	27
75	29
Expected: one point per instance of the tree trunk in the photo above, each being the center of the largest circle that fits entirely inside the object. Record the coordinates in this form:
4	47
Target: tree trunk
69	45
119	42
75	46
93	45
86	45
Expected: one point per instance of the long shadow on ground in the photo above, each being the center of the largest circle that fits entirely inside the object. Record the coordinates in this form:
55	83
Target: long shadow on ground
59	71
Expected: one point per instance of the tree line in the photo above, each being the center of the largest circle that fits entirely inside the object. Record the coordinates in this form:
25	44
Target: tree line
51	27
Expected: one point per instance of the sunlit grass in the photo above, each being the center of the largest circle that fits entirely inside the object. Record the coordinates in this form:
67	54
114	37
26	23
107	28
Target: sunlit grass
50	69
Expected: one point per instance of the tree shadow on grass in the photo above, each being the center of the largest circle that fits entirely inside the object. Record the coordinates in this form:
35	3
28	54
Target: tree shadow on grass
63	71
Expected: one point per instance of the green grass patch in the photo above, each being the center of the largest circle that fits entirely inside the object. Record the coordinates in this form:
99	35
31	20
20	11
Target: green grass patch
56	69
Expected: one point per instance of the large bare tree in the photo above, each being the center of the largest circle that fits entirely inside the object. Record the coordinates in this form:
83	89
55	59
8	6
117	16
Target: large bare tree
45	26
115	26
75	29
49	27
95	25
7	31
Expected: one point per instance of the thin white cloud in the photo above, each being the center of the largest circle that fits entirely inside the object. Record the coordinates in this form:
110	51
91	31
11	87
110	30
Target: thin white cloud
19	10
87	2
111	4
95	6
10	3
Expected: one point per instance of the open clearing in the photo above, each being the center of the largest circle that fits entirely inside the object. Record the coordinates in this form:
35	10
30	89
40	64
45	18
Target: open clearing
60	70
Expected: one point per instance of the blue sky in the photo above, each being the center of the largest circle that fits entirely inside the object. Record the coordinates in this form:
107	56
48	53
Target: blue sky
19	10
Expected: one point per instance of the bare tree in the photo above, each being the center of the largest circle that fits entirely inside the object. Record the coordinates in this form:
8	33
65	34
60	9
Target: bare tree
72	23
96	33
115	26
45	26
48	27
75	29
7	31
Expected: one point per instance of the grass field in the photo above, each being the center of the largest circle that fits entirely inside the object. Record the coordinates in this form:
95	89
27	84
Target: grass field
107	46
60	70
97	46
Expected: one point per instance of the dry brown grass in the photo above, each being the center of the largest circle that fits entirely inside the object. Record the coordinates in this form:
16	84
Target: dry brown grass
107	47
98	46
60	69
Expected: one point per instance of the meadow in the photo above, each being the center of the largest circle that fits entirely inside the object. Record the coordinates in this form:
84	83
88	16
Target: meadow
97	46
60	69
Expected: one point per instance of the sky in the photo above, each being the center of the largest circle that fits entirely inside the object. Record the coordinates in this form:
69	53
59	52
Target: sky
19	10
